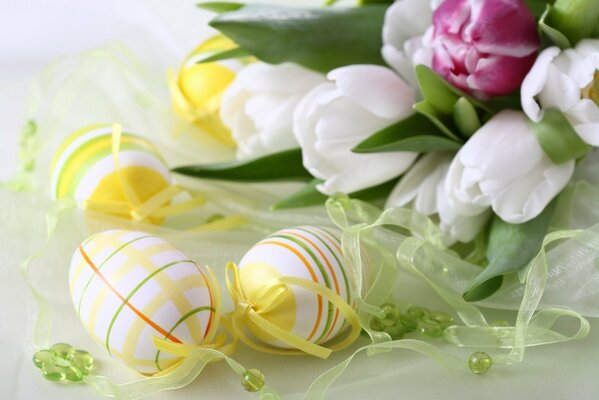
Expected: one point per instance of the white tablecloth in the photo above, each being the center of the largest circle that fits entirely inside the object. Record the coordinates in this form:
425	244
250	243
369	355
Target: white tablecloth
33	33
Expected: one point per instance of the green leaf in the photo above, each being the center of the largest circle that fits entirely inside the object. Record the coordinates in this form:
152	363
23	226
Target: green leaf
283	166
224	55
557	37
439	93
310	196
443	122
306	197
414	133
558	138
220	7
465	117
510	248
575	19
319	39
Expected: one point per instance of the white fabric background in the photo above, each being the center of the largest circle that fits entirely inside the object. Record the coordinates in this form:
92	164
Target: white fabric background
33	33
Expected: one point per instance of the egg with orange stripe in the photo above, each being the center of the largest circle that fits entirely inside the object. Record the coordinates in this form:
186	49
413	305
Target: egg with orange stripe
128	287
84	168
306	252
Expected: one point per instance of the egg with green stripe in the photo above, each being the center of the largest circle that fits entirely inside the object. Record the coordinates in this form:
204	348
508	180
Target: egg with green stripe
128	287
84	169
308	252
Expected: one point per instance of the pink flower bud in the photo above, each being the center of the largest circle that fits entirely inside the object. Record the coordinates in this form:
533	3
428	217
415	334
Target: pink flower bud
484	47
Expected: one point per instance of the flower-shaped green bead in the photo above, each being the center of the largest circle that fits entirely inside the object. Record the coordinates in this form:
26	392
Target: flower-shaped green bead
62	362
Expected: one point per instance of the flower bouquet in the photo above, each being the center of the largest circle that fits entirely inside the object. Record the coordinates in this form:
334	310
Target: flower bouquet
442	147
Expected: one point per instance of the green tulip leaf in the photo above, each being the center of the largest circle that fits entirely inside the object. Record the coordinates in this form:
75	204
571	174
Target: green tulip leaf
283	166
465	117
224	55
510	248
557	37
320	39
310	196
220	6
558	138
439	93
443	122
414	133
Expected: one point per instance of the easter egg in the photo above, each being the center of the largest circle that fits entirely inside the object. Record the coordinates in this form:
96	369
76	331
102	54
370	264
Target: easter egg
199	86
84	169
128	287
307	252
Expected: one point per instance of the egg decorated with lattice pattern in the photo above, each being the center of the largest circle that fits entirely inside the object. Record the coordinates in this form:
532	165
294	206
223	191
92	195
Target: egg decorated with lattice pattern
128	287
85	168
310	253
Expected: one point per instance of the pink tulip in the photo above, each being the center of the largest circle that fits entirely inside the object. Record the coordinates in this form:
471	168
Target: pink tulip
485	47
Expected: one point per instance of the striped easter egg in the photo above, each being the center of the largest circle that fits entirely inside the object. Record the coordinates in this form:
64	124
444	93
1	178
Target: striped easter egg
308	252
84	169
129	286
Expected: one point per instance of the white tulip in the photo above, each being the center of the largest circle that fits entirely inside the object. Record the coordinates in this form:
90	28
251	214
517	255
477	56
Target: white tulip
407	36
504	167
568	81
336	116
423	188
258	106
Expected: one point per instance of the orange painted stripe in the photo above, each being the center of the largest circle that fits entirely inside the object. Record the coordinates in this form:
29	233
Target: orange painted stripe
312	274
131	306
332	273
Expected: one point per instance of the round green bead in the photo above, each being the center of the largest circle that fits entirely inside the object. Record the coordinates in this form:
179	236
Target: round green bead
430	328
418	312
63	350
252	380
410	322
376	325
480	362
73	374
83	361
396	332
53	372
391	312
43	357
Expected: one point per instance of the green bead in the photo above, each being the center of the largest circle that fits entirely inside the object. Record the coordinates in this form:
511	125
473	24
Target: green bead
396	332
83	361
252	380
63	350
376	325
43	357
418	312
74	374
387	323
480	362
430	329
410	322
54	372
391	311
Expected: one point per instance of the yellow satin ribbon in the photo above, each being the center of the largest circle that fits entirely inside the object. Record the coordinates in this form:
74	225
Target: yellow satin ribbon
268	296
157	206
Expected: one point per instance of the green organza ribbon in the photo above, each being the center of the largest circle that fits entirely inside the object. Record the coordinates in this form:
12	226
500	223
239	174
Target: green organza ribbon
424	256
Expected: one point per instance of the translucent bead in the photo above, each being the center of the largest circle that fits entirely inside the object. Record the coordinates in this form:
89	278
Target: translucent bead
418	312
386	323
43	357
480	362
252	380
430	328
376	325
53	372
391	312
63	350
396	332
83	361
73	374
410	322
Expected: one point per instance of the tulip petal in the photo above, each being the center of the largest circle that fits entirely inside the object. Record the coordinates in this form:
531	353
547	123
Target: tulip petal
535	81
371	171
377	89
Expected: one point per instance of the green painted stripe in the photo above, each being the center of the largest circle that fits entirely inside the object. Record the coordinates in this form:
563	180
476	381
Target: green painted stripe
179	322
132	293
341	265
101	265
325	276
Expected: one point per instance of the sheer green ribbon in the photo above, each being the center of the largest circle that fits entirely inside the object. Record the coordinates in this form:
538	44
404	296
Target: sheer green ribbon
424	256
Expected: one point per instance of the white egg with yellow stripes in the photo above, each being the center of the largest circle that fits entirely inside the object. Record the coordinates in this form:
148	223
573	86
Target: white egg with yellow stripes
84	168
128	287
313	254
